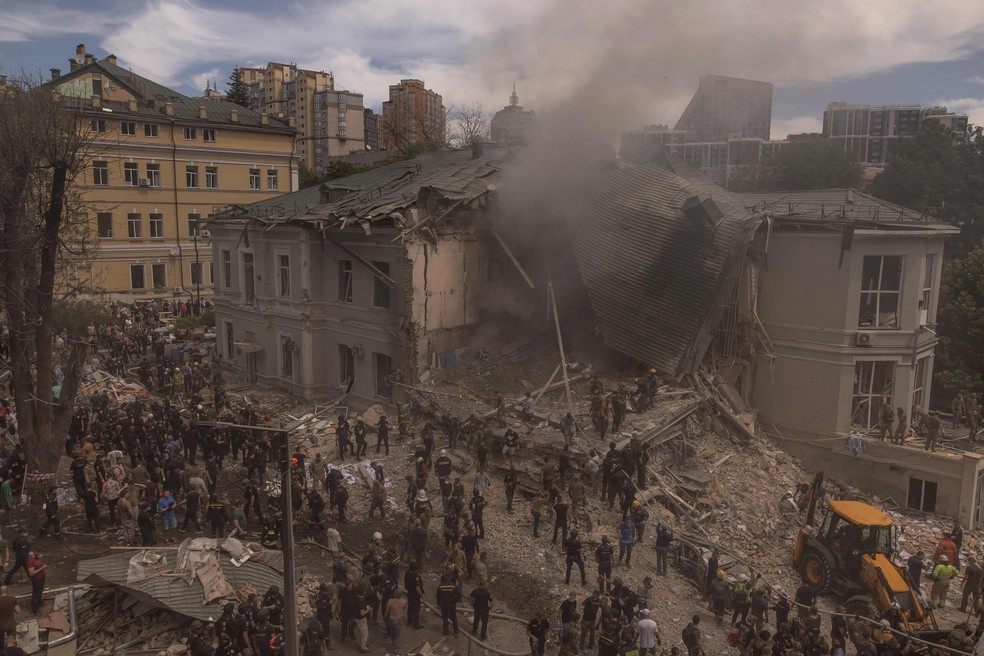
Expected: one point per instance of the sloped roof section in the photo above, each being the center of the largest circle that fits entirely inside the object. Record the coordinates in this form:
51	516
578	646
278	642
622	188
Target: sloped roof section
452	175
152	98
173	592
837	206
658	279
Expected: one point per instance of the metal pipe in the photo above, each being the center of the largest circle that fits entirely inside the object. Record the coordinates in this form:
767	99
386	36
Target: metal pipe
73	623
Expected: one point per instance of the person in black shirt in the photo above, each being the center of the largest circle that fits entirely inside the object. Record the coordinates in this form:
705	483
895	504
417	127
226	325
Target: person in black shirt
145	521
510	487
22	551
382	434
536	631
217	518
560	521
477	507
341	498
589	618
415	590
482	604
192	503
573	547
805	597
90	499
447	597
324	607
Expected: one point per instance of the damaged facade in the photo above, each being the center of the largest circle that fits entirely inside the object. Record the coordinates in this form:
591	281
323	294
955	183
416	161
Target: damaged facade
805	308
359	278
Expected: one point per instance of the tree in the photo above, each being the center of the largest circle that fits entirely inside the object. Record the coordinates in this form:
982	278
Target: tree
468	123
47	145
238	90
960	354
420	132
816	164
943	176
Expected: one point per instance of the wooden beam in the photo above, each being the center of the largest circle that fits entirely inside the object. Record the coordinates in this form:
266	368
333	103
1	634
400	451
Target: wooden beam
519	267
389	282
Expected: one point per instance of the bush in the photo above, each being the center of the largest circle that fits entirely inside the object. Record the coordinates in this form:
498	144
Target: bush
188	322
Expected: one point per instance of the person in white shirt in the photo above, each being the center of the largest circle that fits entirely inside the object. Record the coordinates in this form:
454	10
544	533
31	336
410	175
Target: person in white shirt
648	634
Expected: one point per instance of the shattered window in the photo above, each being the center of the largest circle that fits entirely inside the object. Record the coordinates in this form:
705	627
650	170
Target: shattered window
873	381
881	284
345	281
383	367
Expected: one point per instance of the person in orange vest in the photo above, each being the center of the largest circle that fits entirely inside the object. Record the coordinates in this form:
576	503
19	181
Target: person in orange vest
947	547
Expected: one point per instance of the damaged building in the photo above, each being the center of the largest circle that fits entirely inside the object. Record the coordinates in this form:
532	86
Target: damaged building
806	308
348	282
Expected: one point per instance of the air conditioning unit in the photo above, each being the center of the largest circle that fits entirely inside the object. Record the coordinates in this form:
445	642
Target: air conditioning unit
862	339
205	234
177	290
144	182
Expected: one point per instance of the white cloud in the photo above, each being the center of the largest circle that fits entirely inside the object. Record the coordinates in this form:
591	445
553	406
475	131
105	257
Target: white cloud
972	107
781	128
977	79
619	64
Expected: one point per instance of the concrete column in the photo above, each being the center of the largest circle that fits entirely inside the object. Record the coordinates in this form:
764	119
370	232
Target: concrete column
972	465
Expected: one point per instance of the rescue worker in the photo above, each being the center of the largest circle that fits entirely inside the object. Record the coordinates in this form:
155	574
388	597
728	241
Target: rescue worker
574	556
603	556
942	574
720	591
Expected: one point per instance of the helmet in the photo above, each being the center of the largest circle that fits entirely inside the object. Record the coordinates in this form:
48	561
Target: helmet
652	370
574	533
944	559
604	538
444	452
720	574
743	577
636	504
229	607
420	458
377	536
273	590
323	587
262	615
618	582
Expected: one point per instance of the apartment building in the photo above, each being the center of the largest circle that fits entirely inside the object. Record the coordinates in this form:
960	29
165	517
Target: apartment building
338	126
726	107
871	132
161	162
413	115
512	123
325	119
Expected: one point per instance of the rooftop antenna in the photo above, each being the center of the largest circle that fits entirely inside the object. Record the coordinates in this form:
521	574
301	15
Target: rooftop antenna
514	98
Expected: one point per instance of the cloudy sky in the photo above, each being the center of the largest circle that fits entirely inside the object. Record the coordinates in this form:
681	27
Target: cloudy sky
615	64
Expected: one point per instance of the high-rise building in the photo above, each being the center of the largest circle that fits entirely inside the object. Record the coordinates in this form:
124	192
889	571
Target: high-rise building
338	129
290	92
370	122
513	124
871	132
161	161
728	107
413	115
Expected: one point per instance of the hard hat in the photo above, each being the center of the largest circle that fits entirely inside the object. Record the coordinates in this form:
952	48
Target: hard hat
743	577
421	495
720	574
420	458
944	559
636	504
377	536
652	370
444	452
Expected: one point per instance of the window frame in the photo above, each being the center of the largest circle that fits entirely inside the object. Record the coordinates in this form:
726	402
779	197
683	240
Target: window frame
880	295
273	180
100	173
158	219
226	269
191	134
152	130
100	233
249	277
282	262
380	289
209	135
211	177
345	281
131	174
286	356
380	386
191	177
254	180
865	397
98	125
230	339
143	276
201	273
134	219
154	268
346	365
926	298
153	174
194	225
128	132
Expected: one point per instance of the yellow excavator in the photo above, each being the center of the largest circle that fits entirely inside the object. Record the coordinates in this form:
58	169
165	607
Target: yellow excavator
849	552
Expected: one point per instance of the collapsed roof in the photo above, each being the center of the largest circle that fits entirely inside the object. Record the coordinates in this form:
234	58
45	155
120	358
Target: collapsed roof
194	581
656	251
438	180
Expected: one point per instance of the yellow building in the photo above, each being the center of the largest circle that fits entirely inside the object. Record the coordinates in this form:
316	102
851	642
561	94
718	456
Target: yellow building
161	161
